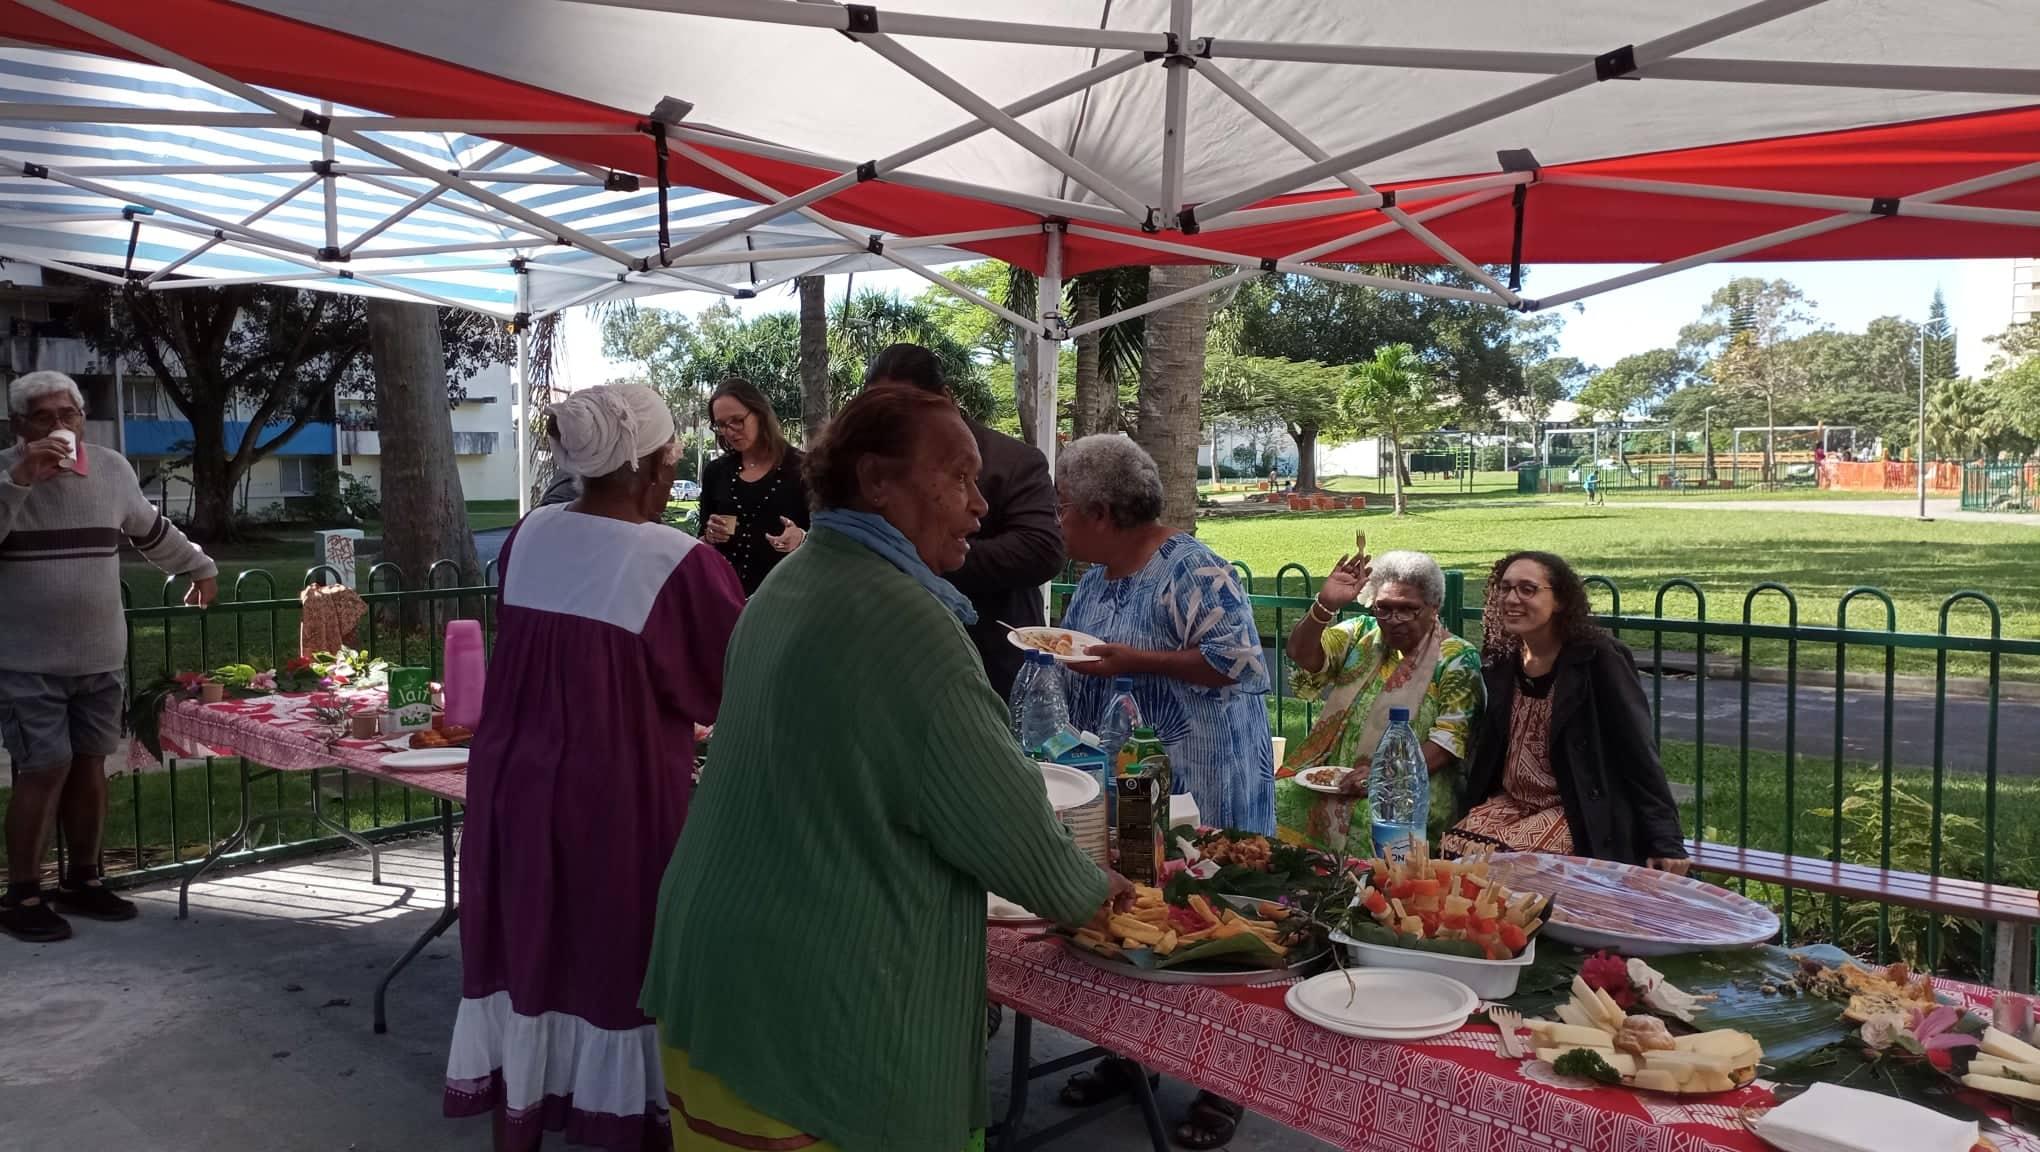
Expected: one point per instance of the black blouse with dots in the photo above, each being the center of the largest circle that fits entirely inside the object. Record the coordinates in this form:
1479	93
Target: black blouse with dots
758	506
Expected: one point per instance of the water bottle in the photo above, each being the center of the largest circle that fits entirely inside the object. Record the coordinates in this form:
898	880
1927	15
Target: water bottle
466	665
1399	790
1043	712
1121	717
1016	700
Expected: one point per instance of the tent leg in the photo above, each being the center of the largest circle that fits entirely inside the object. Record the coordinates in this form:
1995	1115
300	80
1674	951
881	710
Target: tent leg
1048	344
520	386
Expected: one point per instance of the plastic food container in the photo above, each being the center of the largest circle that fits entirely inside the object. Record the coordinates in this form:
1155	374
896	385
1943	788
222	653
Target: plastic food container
1489	979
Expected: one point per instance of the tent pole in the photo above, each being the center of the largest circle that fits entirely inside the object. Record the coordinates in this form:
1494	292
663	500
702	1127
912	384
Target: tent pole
328	183
904	23
1215	284
1175	105
417	202
127	196
1047	336
1538	92
521	388
1216	256
961	95
1908	206
885	165
1304	144
1342	205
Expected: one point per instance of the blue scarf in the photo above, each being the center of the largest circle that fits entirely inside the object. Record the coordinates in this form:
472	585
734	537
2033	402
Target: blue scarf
877	533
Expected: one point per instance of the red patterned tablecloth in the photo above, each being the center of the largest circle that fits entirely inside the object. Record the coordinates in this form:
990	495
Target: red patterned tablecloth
274	731
1452	1093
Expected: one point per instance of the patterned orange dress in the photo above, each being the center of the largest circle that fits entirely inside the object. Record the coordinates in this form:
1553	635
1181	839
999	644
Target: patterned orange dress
1527	815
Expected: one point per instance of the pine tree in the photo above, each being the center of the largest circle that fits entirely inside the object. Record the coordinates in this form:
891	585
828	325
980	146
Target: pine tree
1938	341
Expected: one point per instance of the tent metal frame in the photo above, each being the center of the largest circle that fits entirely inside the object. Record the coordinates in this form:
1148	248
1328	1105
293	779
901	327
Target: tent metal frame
1115	215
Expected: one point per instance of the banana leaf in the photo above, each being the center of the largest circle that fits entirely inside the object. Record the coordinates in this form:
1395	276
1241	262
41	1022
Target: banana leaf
1245	950
1795	1029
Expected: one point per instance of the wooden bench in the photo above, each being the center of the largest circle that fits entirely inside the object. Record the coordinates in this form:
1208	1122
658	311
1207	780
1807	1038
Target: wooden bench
2014	910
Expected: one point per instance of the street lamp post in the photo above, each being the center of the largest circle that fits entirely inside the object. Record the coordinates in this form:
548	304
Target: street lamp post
1920	445
1707	438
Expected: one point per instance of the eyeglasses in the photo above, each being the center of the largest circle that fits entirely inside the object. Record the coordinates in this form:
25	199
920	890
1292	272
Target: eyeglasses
47	419
1521	589
733	424
1397	615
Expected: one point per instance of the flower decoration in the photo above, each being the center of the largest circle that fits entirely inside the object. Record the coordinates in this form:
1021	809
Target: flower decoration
1610	973
191	681
263	681
1929	1033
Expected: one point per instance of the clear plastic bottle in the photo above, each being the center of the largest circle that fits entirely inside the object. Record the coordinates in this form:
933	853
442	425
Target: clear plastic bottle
1043	711
1399	790
1122	716
1016	700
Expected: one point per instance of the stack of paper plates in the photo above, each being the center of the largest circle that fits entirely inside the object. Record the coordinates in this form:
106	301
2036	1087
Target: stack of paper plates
1384	1003
1079	800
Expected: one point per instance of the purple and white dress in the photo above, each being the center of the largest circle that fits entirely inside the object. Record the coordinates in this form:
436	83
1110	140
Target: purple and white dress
609	649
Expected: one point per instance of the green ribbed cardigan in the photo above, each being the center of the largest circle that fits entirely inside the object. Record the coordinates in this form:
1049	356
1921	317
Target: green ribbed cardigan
821	934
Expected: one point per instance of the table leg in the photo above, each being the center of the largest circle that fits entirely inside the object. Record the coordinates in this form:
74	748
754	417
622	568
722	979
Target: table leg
232	842
447	915
1016	1103
345	833
1150	1112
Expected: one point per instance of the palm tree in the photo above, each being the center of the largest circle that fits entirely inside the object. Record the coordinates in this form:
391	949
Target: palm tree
1111	355
1394	396
1172	387
814	357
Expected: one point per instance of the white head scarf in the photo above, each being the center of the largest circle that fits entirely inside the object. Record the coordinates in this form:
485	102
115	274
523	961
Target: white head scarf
602	429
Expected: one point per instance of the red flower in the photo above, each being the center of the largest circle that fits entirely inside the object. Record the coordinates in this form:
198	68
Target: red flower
190	681
297	664
1610	973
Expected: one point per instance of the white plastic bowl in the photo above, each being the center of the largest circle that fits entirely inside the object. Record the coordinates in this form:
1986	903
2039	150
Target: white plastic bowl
1489	979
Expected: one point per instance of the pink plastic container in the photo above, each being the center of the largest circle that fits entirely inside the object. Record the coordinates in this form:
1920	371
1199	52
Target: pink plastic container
466	666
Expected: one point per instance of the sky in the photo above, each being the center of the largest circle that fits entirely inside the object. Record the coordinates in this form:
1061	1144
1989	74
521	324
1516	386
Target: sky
1845	294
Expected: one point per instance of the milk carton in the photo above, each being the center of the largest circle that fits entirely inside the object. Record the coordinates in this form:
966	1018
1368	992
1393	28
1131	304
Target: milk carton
410	699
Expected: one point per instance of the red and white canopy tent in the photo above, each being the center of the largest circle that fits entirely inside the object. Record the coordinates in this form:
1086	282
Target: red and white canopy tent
1278	135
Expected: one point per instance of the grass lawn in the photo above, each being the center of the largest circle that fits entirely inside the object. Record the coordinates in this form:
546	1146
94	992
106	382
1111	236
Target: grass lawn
1819	557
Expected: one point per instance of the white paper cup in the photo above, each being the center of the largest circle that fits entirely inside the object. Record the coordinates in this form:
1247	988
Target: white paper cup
69	440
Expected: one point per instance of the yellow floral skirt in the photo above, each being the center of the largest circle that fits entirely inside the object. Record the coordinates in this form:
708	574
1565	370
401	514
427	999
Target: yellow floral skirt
708	1117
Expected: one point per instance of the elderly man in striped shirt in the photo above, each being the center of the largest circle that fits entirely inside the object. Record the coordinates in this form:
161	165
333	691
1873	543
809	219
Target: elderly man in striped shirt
67	508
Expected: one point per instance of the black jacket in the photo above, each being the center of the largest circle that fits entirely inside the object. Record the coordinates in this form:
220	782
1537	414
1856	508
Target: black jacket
758	507
1617	800
1017	549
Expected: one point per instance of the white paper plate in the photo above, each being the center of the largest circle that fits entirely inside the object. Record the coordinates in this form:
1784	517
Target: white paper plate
1385	1003
426	759
1079	641
1068	787
1005	913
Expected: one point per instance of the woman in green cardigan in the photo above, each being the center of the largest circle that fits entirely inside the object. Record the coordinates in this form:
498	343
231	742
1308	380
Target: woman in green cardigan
818	972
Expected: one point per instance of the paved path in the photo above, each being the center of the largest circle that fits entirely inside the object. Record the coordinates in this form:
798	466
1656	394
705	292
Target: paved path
1965	729
1893	509
248	1026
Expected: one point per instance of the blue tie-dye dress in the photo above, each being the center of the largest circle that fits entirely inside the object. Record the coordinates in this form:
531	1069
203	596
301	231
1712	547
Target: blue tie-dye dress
1218	738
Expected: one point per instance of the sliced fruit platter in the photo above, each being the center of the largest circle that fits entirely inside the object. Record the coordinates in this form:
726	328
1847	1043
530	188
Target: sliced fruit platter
1200	940
1455	907
2008	1067
1593	1039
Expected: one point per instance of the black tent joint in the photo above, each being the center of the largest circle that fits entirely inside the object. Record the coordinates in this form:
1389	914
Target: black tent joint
874	245
1186	220
323	168
1885	206
614	181
35	171
863	20
867	171
315	121
1614	65
332	255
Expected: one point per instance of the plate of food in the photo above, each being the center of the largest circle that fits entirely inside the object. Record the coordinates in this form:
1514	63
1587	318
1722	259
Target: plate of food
1325	778
1600	904
1066	646
1595	1040
426	760
450	736
1230	940
1451	917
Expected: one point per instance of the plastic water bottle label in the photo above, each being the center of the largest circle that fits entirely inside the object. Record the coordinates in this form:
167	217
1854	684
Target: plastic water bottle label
1394	843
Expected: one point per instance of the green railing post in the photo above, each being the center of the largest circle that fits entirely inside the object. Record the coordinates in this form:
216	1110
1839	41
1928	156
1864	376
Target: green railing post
1454	610
1699	690
1841	707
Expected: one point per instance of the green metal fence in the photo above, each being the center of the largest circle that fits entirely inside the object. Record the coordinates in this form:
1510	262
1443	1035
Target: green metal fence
2001	487
1837	807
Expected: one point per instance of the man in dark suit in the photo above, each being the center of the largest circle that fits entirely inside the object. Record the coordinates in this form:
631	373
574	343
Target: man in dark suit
1018	547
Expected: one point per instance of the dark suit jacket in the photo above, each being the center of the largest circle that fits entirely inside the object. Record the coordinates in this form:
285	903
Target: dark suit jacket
1617	801
1018	548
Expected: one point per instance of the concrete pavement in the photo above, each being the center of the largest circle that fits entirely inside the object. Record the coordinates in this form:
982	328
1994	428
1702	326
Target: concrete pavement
247	1027
1895	509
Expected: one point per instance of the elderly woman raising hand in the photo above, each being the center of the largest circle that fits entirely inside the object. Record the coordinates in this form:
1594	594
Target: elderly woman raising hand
1401	655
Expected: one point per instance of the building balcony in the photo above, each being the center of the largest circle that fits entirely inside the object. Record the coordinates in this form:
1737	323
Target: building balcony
173	438
368	442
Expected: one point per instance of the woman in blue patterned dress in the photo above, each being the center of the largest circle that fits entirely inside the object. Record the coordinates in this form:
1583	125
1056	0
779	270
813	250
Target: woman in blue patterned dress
1173	617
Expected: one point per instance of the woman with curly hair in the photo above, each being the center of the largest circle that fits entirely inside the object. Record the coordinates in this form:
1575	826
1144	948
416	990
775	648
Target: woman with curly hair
1566	764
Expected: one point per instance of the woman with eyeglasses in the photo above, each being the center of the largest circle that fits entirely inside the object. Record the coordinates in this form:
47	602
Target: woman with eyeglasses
1399	655
1565	762
754	504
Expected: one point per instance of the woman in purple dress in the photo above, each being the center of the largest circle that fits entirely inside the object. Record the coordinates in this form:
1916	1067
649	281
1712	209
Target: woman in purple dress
609	650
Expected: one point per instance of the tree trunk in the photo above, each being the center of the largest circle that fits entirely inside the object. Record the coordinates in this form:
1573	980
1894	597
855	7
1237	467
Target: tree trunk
1096	395
212	477
424	514
1305	436
1172	388
1770	441
1402	505
1024	385
814	358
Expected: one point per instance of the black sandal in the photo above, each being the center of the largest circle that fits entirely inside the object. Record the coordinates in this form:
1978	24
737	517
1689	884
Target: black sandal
1212	1123
1109	1078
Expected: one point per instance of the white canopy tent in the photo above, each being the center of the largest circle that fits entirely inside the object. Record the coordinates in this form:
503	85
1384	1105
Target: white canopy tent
1267	136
